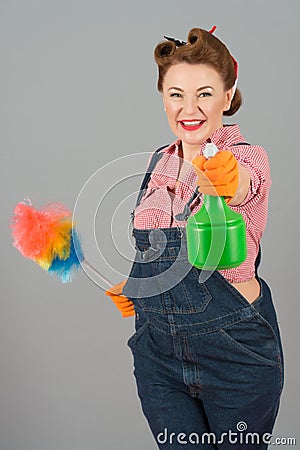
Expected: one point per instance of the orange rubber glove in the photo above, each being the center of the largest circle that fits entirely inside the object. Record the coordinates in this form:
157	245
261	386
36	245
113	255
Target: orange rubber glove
122	303
218	175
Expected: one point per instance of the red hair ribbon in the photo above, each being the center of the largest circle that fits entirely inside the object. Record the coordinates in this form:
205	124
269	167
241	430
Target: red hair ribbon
213	29
236	66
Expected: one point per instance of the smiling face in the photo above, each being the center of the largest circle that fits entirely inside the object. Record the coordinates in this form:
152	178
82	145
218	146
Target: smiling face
194	98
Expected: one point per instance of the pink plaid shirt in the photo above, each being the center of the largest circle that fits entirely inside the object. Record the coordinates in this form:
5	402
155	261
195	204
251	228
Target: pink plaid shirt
159	206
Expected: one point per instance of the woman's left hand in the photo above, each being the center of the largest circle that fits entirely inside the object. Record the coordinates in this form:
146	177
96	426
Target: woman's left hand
124	305
218	175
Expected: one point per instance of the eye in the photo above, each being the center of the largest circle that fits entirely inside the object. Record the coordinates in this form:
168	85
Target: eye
204	94
175	95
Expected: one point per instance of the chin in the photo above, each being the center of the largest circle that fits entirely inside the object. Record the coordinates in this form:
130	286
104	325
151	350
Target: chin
194	141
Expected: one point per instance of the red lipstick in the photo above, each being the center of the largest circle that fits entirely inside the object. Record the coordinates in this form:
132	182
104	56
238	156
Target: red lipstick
191	125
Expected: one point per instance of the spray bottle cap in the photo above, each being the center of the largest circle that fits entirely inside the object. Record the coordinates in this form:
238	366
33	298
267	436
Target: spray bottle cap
210	150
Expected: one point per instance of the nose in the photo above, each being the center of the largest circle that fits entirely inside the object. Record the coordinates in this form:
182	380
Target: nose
190	105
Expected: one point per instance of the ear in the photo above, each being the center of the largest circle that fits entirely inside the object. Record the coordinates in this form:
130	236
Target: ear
164	104
228	99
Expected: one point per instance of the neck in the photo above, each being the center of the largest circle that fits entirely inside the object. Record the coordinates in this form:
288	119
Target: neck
188	152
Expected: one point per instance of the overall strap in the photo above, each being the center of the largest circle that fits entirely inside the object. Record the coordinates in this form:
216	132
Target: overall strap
241	143
257	261
154	160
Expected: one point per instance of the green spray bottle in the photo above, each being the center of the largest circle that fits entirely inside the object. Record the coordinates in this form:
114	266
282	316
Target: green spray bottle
216	235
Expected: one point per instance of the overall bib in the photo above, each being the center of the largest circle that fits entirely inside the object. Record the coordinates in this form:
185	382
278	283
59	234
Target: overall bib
208	364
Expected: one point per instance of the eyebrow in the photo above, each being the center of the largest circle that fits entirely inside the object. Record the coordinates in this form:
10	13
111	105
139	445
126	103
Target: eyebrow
199	89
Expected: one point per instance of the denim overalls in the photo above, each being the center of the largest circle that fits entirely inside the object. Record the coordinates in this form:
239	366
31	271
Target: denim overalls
208	364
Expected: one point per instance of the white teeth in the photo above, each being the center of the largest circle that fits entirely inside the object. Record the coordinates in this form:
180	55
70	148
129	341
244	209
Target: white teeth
192	124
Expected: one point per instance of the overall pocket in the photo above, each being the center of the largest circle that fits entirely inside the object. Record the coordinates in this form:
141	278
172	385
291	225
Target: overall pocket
255	340
141	323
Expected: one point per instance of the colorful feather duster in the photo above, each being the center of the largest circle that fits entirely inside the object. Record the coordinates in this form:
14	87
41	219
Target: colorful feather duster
46	236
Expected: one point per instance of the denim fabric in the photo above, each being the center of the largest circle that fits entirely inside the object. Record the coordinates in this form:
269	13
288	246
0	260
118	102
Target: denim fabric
205	359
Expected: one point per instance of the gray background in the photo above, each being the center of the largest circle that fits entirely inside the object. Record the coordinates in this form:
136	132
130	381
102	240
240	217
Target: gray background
78	90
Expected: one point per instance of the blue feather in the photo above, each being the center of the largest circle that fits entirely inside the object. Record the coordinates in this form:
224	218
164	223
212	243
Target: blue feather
65	269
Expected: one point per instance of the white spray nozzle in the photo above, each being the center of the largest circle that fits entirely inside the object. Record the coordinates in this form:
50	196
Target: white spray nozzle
210	150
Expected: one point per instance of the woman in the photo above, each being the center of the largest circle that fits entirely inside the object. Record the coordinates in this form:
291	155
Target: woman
207	355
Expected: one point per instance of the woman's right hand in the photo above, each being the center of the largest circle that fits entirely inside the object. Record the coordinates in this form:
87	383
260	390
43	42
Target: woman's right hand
124	305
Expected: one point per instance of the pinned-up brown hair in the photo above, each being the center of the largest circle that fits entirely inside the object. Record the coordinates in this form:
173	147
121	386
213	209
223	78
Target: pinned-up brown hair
201	48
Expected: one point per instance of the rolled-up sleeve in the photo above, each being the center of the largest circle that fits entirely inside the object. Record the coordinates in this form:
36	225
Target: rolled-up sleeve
255	159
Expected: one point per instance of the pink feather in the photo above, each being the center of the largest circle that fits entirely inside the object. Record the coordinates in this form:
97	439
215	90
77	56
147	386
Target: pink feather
33	230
